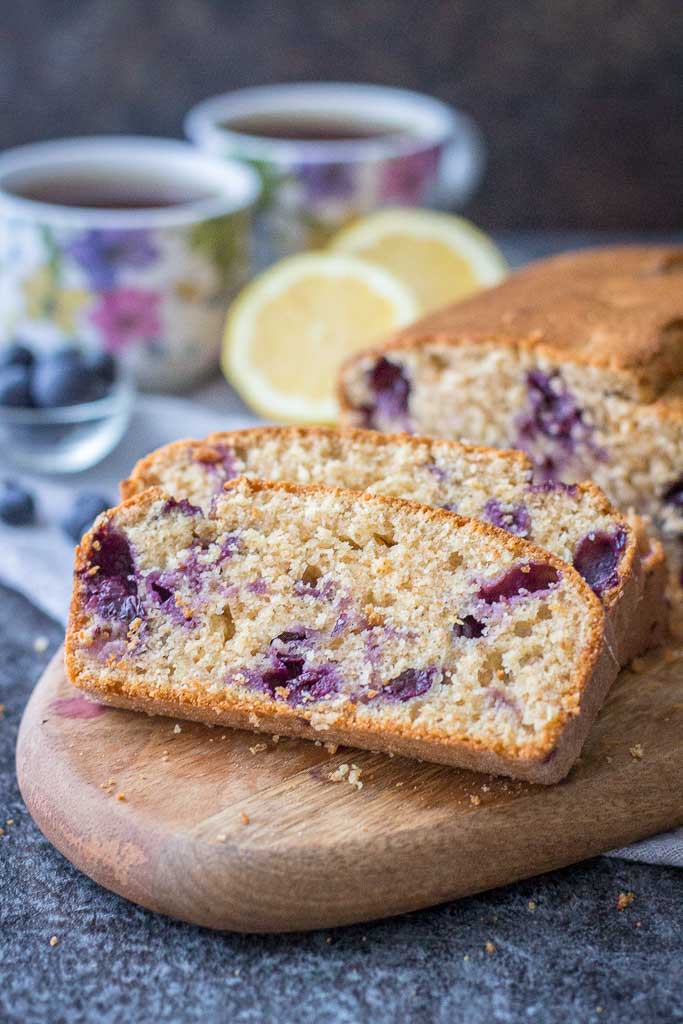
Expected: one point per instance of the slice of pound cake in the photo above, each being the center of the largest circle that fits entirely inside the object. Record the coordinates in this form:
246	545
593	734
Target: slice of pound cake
355	618
576	522
578	360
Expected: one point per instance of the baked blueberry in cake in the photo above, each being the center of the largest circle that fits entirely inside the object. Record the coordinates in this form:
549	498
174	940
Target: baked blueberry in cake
577	360
353	617
574	522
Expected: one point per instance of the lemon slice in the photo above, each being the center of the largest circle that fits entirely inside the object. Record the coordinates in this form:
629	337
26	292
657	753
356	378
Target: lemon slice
442	258
290	329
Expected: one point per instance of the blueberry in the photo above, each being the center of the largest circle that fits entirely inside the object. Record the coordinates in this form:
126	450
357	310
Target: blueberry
17	506
597	559
413	682
469	628
513	518
673	495
520	580
391	392
16	354
15	386
59	379
85	508
101	365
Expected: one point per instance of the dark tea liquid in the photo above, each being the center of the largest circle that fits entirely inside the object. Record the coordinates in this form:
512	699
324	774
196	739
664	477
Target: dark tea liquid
309	127
106	193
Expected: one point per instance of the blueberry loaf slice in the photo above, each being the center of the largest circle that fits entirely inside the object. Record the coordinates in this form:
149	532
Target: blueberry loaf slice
578	360
324	613
575	522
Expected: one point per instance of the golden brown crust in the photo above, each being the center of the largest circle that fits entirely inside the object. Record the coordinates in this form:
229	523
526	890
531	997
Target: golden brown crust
547	759
618	308
548	769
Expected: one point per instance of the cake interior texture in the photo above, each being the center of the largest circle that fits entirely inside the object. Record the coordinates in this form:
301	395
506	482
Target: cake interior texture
577	361
313	611
575	522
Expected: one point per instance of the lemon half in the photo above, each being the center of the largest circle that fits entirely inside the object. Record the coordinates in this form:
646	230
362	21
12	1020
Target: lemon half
290	329
441	257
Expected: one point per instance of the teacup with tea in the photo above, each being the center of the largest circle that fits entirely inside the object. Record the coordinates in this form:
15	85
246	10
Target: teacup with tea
130	245
329	152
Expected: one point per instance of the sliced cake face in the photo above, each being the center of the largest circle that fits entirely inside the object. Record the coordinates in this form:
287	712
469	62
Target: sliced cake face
575	523
576	361
379	620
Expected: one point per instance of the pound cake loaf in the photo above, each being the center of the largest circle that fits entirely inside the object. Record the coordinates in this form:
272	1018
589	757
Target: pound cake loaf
577	360
576	522
354	618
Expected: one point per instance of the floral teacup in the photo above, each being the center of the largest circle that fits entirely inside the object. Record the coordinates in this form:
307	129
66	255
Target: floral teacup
132	245
329	152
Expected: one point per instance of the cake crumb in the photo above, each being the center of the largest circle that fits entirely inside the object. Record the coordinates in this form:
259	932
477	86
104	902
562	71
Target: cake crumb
475	800
10	821
489	947
244	817
347	773
177	729
625	899
639	924
258	748
276	739
636	751
2	711
531	905
54	940
221	837
40	644
466	956
121	797
2	831
332	748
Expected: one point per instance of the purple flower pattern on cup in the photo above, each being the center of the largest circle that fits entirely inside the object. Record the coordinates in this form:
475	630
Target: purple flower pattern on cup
409	178
101	252
126	316
327	180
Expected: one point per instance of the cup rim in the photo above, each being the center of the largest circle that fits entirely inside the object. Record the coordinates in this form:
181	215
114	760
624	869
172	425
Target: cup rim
234	186
440	122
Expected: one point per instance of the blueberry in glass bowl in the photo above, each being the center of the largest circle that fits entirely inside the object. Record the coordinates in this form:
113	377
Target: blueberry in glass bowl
63	410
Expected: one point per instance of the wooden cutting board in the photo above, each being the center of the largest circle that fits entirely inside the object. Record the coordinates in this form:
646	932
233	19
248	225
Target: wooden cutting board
232	830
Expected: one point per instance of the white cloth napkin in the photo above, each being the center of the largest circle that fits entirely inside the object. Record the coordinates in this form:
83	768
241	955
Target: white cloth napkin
38	560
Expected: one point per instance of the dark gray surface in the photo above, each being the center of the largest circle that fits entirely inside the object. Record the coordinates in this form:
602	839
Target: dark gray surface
581	102
116	963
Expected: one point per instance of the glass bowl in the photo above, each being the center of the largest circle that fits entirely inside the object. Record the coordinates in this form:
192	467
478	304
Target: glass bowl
68	438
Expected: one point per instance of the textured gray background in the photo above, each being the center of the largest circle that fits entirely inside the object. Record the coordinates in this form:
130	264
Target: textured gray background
582	102
117	963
